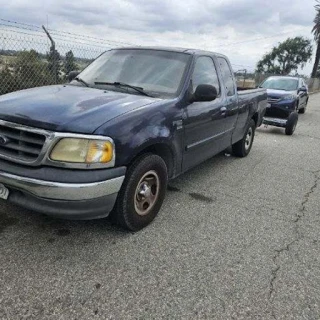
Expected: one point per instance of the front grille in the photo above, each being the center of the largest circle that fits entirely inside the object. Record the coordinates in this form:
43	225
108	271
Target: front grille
19	144
273	100
277	113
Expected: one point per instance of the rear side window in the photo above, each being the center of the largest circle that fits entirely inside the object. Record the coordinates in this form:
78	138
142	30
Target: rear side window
227	77
205	73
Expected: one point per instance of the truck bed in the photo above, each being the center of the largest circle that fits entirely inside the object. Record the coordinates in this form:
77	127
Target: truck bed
242	91
253	97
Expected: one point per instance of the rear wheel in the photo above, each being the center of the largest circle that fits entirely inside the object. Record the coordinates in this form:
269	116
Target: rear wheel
243	147
303	110
142	193
291	124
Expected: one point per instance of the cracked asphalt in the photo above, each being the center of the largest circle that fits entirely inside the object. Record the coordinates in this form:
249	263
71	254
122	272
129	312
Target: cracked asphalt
236	239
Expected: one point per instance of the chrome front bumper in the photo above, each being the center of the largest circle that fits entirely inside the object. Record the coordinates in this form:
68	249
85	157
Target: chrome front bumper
62	191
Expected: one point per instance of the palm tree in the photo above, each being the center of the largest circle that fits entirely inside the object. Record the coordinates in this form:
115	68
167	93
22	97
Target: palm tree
316	33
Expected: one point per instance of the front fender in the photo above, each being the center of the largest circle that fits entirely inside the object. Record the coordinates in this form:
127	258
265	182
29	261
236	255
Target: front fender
143	129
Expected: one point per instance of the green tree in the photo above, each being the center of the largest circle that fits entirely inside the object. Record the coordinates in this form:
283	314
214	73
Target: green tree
70	62
29	70
316	34
54	67
288	56
8	82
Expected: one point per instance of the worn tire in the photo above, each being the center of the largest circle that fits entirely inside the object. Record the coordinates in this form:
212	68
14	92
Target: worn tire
125	213
291	124
241	148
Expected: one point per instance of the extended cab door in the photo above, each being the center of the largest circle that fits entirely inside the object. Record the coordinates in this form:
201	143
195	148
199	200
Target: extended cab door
204	125
231	99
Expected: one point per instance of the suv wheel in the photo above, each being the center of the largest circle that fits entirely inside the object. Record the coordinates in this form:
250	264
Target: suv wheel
303	110
291	124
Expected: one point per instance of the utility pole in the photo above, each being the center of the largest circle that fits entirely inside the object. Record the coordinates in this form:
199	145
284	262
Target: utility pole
53	46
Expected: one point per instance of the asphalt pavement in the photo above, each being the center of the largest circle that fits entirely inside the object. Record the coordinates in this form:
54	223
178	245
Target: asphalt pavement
235	239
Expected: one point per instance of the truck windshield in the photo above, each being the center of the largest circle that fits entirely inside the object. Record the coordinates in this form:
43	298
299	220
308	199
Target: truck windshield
280	84
156	72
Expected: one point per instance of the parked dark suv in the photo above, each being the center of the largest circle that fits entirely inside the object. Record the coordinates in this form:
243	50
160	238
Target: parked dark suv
286	97
285	94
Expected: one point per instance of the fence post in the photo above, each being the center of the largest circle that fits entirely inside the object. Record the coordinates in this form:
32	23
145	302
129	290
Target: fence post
53	45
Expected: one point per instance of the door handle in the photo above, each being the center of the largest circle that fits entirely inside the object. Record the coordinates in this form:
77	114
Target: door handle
223	111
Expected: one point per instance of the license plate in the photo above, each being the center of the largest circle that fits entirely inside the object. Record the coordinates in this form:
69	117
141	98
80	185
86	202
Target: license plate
4	192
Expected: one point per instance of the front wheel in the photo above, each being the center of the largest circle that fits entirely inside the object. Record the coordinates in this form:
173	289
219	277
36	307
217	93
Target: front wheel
142	193
291	124
243	147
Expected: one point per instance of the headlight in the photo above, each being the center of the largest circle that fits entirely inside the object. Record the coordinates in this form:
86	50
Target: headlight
289	97
77	150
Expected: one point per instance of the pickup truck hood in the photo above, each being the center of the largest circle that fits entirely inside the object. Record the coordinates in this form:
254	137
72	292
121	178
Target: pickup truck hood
279	93
68	108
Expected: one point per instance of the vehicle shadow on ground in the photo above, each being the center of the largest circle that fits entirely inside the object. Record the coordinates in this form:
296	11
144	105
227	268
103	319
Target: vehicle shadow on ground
17	217
27	221
271	130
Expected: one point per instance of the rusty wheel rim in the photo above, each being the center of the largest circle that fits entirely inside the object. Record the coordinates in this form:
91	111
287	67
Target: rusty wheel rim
248	139
147	193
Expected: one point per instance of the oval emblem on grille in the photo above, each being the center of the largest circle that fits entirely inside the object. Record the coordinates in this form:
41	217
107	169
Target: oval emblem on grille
3	140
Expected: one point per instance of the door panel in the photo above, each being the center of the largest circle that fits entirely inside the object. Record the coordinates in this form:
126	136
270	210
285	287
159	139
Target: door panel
231	101
204	125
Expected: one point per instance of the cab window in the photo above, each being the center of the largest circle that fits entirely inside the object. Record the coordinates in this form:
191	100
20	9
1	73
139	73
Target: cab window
227	76
205	73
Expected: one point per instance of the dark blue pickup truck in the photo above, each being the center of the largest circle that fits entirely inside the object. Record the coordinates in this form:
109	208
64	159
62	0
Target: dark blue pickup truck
107	142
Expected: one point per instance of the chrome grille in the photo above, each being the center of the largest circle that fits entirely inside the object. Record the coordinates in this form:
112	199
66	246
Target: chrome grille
32	146
273	100
18	143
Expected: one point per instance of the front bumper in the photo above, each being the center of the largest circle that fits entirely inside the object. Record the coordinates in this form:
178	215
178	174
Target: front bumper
281	109
88	200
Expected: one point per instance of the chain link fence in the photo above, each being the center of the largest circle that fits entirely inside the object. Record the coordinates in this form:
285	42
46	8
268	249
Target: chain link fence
314	84
29	60
251	80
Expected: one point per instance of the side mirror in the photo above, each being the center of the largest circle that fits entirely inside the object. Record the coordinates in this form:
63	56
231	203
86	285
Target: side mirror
303	89
204	92
72	75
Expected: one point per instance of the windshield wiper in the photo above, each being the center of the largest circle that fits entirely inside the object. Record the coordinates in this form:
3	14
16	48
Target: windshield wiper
125	85
82	81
